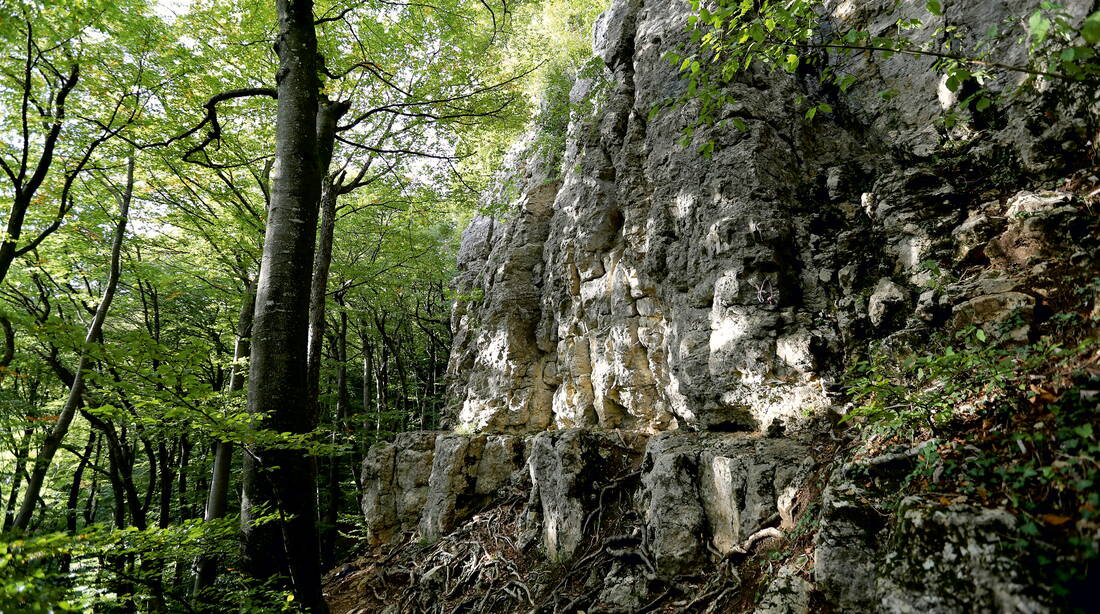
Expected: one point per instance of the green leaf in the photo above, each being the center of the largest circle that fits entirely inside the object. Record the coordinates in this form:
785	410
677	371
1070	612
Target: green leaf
980	334
1039	26
1090	29
934	7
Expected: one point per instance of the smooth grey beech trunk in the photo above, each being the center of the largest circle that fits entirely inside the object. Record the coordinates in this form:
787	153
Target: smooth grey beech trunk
56	436
282	481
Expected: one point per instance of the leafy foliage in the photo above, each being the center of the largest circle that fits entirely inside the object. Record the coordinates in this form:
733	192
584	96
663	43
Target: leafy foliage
806	37
1012	426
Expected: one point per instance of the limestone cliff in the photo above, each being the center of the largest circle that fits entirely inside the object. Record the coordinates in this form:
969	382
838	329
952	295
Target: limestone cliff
651	287
648	348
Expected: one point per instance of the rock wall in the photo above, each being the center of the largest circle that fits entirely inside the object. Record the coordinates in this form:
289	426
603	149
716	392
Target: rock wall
646	348
694	494
667	508
651	287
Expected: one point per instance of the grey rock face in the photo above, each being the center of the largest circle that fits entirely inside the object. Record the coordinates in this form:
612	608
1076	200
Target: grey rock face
965	553
1037	223
715	488
887	300
429	481
653	309
670	286
466	473
938	559
694	493
395	480
650	287
569	471
1007	312
786	594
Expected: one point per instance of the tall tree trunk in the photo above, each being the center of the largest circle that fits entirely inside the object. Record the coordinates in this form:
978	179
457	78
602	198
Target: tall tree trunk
117	581
368	371
91	504
119	511
185	500
328	114
274	478
167	482
56	436
330	519
206	568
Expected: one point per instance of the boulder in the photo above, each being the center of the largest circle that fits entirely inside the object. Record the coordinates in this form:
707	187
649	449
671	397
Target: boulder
887	302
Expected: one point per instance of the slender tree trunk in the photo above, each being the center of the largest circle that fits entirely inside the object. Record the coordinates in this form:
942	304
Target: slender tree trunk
328	115
90	505
206	568
368	372
74	486
22	452
382	388
119	511
278	479
185	503
74	497
167	481
331	517
56	436
151	475
117	581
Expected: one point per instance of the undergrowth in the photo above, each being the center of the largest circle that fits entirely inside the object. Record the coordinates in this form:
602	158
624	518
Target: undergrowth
1008	425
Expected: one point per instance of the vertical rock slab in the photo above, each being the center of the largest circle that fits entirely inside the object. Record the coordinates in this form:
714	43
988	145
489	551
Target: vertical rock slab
672	511
498	369
569	468
715	487
429	482
466	473
750	484
395	484
452	483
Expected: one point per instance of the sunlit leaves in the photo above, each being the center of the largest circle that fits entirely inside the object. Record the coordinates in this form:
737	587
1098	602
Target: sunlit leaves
731	36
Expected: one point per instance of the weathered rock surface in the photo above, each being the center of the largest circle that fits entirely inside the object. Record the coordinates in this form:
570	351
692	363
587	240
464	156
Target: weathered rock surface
788	593
395	484
466	473
570	473
954	558
649	287
429	481
715	488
